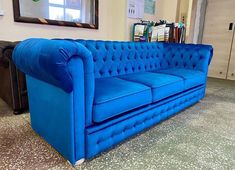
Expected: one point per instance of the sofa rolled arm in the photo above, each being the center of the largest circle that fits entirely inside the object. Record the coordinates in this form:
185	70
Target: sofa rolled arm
188	56
47	60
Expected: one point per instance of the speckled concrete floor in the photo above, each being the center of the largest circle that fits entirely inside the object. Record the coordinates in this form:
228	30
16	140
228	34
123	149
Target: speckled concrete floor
201	137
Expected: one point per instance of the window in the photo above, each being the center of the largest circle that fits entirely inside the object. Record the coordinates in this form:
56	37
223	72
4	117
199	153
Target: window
65	10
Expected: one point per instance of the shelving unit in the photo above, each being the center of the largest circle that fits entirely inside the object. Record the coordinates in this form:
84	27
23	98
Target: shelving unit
146	31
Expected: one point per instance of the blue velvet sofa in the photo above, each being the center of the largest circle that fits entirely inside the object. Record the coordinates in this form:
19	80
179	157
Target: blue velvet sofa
87	96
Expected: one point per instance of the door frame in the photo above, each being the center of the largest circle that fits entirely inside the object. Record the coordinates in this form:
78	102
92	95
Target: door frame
197	21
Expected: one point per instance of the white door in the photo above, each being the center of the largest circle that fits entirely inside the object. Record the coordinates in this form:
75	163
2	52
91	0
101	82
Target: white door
231	68
218	31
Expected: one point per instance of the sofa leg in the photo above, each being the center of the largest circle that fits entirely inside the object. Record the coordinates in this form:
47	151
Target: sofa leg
17	112
80	162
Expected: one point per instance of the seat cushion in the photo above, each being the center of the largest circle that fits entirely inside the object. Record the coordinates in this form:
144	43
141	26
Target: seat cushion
162	85
114	96
192	78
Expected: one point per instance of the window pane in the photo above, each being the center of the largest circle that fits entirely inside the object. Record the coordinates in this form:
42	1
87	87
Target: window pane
75	4
72	15
57	2
56	13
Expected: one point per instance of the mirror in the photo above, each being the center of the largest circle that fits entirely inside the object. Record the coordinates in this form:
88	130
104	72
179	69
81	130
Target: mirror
75	13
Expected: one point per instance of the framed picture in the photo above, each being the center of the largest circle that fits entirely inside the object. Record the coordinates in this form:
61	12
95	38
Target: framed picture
73	13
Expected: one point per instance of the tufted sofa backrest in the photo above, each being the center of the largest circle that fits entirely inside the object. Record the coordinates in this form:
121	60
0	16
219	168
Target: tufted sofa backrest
188	56
118	58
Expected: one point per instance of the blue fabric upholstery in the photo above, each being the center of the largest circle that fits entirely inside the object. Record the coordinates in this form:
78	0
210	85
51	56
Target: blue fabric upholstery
192	78
55	125
105	138
120	58
48	60
112	96
187	56
162	85
87	96
106	124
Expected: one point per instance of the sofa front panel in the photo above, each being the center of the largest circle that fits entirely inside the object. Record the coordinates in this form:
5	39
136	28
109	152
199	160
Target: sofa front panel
119	58
108	137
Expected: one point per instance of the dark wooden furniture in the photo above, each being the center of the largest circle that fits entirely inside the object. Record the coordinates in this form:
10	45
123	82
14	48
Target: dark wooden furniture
12	82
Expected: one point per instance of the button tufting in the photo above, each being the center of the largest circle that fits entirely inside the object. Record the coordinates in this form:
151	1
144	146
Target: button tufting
123	47
106	47
101	72
152	118
118	70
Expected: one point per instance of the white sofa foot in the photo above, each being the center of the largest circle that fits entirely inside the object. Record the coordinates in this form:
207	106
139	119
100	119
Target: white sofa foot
79	162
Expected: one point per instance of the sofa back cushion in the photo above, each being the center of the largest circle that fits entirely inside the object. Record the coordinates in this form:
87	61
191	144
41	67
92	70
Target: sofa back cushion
112	58
187	56
119	58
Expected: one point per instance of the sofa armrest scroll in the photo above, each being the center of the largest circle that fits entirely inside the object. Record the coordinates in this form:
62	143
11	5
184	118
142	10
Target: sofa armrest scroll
47	60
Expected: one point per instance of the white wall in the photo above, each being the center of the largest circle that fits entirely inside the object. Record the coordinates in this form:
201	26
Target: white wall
131	21
10	30
167	10
117	19
113	23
